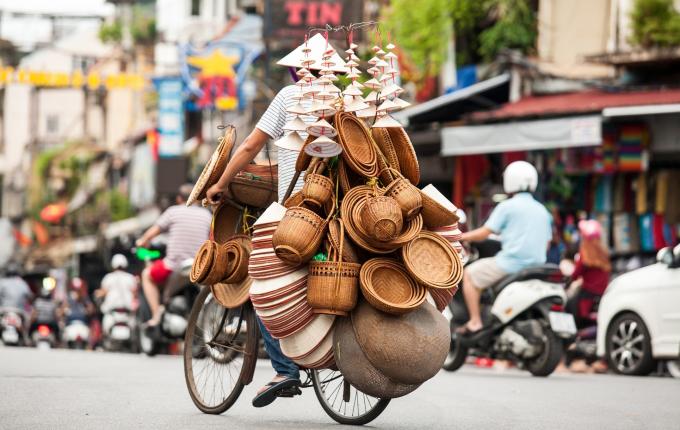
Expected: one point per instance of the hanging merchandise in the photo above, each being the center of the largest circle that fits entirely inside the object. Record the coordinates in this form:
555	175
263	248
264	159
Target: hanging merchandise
605	221
646	232
633	141
356	248
672	210
623	233
641	194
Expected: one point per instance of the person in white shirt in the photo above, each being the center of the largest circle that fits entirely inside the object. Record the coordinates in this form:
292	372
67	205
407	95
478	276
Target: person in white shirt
118	288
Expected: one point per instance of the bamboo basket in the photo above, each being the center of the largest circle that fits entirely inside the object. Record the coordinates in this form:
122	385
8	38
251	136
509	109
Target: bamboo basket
434	214
388	287
317	189
406	195
381	218
253	191
203	262
299	235
432	261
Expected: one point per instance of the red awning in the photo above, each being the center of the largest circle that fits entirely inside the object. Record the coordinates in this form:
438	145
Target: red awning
576	103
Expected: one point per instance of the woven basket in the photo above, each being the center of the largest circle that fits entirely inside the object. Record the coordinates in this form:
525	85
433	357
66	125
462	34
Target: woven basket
406	194
408	160
318	189
226	222
434	214
237	267
303	159
359	150
219	265
250	190
388	287
432	261
213	169
231	295
202	262
299	235
348	179
381	137
381	218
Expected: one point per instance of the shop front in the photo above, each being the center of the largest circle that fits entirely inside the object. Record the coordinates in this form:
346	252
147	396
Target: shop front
611	157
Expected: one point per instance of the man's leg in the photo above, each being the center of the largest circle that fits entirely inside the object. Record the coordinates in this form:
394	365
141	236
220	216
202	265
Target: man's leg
153	296
284	366
472	295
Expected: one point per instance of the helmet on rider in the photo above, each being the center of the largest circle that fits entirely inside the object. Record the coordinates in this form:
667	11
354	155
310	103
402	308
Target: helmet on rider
119	262
520	176
590	229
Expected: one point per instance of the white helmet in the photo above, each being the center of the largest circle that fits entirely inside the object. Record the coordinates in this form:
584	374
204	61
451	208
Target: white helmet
520	176
119	261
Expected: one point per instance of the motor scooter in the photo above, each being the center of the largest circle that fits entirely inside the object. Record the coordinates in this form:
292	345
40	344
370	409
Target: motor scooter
119	329
11	327
178	297
523	316
43	336
76	334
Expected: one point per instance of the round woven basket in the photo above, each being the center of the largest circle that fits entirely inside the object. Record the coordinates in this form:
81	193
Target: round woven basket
237	269
250	190
406	195
213	169
203	262
388	287
381	218
336	230
220	265
348	179
408	160
381	136
231	295
359	150
434	214
303	159
299	235
432	261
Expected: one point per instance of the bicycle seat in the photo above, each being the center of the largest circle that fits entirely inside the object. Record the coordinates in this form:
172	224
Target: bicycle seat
546	272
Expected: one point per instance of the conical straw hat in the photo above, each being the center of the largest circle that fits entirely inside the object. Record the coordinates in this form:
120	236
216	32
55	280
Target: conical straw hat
323	147
321	128
291	141
370	112
387	121
319	109
387	106
297	109
296	124
352	91
401	103
317	46
356	104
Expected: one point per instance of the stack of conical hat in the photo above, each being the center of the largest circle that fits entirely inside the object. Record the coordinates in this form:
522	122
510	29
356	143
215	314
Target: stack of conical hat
353	95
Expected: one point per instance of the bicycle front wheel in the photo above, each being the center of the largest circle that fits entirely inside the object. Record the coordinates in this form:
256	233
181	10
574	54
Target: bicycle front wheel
344	403
220	346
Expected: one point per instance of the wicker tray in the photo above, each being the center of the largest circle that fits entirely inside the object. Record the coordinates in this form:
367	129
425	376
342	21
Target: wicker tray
432	261
388	287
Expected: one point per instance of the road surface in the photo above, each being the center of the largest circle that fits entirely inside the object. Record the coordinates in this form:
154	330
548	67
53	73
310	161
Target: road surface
61	389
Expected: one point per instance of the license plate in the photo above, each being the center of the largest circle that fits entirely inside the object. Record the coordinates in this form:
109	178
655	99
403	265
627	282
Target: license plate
563	323
10	335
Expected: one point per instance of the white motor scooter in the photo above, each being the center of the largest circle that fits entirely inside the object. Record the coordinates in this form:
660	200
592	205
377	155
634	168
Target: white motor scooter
76	335
119	330
524	322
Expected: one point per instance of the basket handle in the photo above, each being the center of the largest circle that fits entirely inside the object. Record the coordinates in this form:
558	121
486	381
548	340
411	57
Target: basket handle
392	170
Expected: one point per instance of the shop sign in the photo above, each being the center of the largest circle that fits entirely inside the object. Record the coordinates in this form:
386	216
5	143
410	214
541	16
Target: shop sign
170	116
92	80
288	21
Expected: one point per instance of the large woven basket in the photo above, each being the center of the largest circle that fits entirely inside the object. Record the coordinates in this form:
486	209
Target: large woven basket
254	191
406	195
408	161
225	223
359	150
299	235
231	295
336	230
432	261
381	136
381	218
237	269
434	214
213	169
388	287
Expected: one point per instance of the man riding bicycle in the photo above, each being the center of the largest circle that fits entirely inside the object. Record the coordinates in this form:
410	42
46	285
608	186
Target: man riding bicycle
524	226
187	227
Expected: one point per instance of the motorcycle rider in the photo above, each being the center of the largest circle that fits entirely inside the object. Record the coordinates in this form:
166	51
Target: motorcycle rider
46	312
77	306
187	227
524	226
118	288
15	293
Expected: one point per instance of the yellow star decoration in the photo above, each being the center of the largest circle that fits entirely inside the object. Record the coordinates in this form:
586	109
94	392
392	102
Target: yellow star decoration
215	64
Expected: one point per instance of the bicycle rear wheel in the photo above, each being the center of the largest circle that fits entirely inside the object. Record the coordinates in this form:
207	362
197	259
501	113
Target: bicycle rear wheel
344	403
220	348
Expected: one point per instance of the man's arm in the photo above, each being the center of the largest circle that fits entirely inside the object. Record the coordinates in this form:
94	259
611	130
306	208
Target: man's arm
152	232
476	235
244	154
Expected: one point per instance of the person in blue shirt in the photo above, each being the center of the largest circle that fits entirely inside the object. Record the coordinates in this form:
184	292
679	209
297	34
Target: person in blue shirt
524	226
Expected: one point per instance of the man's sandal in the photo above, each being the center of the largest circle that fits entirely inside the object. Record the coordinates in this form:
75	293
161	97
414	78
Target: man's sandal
289	387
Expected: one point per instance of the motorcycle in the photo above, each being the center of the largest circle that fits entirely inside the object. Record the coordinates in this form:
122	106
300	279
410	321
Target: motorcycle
76	334
11	328
43	336
119	330
523	316
178	297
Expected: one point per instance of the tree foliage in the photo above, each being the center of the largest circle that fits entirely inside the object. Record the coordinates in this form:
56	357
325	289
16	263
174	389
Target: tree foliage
655	23
483	28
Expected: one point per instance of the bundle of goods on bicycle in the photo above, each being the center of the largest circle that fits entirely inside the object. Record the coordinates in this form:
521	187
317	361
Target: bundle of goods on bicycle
373	255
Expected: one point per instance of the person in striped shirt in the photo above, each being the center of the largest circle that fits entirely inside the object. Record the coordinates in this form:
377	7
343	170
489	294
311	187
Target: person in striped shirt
287	380
187	227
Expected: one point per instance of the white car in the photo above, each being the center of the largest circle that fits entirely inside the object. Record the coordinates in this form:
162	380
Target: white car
638	320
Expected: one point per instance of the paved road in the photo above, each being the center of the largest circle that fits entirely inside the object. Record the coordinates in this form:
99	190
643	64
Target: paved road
73	390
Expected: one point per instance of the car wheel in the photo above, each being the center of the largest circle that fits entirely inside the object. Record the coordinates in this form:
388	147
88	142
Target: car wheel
629	348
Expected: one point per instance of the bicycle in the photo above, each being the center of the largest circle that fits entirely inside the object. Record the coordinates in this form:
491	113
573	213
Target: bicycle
224	345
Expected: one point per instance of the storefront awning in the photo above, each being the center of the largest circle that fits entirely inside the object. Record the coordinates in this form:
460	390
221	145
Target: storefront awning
565	132
449	107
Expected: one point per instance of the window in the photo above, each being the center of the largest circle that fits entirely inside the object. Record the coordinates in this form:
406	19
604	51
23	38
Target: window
52	125
195	7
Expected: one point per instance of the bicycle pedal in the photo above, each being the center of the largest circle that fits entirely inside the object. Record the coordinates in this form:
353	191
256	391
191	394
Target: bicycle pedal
289	392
